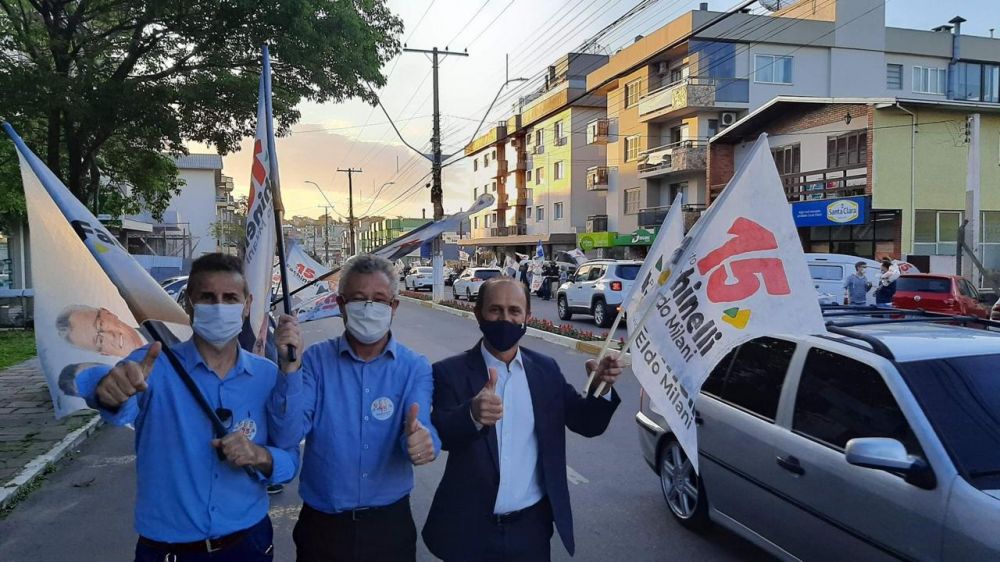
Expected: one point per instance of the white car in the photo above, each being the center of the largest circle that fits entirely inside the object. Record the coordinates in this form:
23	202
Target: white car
467	285
419	278
597	289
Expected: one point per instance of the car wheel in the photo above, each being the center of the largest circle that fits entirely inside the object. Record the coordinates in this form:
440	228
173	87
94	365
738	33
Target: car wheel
681	486
602	316
563	308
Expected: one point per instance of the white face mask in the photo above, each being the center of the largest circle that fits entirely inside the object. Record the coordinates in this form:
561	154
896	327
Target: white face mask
218	324
368	321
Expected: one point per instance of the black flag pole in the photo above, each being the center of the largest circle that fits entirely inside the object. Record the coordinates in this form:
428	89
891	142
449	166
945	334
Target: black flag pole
274	185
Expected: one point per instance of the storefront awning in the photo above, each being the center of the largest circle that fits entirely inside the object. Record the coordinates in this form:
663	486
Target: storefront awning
565	238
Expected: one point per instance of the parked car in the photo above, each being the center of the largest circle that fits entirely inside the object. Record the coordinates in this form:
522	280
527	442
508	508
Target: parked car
468	283
597	289
879	442
951	294
419	278
174	285
995	311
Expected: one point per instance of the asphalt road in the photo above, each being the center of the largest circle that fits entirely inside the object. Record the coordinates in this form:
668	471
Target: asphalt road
83	511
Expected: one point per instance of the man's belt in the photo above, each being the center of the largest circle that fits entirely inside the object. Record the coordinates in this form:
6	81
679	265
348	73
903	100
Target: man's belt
360	513
197	547
510	517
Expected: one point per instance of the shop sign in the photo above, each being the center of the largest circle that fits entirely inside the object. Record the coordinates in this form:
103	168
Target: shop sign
587	241
831	212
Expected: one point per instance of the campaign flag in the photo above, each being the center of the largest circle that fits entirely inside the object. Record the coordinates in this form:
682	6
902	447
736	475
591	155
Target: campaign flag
92	299
463	255
302	270
539	251
577	255
323	305
261	232
509	266
654	271
521	257
739	274
417	237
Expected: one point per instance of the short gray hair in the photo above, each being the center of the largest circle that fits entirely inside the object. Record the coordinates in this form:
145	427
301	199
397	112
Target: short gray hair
62	321
369	263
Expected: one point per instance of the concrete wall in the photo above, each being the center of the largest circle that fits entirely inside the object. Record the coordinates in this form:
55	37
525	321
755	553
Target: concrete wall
584	203
549	191
196	205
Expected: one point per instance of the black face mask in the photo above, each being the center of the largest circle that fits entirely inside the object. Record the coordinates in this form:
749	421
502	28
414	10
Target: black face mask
502	335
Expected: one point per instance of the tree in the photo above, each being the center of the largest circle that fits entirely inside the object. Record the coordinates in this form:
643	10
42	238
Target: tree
106	91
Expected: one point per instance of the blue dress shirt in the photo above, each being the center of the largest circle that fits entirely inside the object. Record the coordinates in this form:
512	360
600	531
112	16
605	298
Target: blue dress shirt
351	413
185	492
517	445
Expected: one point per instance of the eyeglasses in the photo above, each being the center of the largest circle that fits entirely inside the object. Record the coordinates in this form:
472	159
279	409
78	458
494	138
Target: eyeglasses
99	328
369	301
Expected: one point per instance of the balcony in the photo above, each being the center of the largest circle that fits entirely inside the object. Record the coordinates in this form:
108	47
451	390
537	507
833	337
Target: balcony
829	183
599	132
692	93
516	230
653	216
684	156
490	137
597	178
597	223
562	141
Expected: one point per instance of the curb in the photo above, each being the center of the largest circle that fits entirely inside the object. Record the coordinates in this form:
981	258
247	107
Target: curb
37	467
588	347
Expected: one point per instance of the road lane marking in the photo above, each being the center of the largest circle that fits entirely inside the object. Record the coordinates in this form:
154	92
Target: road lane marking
574	476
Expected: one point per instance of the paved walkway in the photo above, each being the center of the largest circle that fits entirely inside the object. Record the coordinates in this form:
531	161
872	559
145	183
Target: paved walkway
28	428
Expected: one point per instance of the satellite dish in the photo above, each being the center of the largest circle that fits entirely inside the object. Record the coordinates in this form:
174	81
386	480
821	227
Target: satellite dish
774	5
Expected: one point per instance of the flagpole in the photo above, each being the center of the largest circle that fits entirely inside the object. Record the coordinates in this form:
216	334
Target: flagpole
604	351
274	184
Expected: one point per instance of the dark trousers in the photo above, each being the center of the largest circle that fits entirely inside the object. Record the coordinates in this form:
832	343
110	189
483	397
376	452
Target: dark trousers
382	534
255	546
523	537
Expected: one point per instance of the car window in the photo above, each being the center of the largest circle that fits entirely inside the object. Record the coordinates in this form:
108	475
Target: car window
826	272
717	378
755	376
839	399
923	284
628	272
485	274
596	272
582	273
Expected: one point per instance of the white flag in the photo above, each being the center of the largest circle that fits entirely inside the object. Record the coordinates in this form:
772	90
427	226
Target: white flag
654	271
577	255
739	274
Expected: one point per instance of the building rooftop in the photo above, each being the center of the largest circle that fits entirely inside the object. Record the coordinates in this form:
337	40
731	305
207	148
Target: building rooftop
199	162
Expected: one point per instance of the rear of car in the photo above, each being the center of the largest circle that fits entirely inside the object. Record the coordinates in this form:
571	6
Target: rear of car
420	278
598	289
468	284
949	294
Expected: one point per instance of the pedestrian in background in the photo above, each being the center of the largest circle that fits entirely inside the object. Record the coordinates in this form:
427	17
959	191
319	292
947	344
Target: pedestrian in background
192	505
857	286
362	401
887	285
502	411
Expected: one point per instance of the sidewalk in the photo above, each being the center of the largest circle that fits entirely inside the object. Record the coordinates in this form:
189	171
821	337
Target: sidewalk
31	439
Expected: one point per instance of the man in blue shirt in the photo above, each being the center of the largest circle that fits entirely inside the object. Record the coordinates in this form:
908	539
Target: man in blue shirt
362	403
190	504
857	286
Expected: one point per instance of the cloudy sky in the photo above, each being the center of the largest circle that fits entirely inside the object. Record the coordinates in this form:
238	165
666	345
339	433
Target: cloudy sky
532	33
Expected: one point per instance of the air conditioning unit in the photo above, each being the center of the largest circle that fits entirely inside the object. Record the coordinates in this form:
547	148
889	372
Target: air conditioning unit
662	67
727	118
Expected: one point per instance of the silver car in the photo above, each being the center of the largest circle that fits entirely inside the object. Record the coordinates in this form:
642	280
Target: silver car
880	441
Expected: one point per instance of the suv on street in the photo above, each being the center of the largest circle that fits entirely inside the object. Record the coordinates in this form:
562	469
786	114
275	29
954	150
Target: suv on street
879	440
597	289
467	285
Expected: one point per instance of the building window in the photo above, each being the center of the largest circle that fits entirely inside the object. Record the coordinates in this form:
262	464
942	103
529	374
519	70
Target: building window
528	212
989	240
539	213
475	164
632	93
558	132
557	170
539	175
850	149
929	80
631	148
557	211
773	69
787	158
632	201
977	82
494	187
528	176
486	160
894	76
936	232
494	155
539	137
475	222
475	192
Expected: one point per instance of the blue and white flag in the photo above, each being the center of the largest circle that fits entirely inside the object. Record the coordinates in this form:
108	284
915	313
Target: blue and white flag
539	251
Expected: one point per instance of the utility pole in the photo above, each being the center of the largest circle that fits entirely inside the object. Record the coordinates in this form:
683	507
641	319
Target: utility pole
350	203
436	190
972	191
326	234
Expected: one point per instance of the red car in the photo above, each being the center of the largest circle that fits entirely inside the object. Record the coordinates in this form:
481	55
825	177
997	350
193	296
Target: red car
950	294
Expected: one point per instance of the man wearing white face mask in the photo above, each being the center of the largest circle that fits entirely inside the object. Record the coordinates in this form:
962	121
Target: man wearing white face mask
190	504
362	403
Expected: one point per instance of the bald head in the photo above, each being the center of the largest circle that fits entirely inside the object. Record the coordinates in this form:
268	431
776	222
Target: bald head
503	298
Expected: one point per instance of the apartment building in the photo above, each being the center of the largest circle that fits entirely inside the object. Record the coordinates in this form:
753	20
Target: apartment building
382	231
537	164
671	91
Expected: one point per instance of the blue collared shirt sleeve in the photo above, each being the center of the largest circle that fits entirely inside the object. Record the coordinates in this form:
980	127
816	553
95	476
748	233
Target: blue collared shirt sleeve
421	393
284	464
86	384
293	403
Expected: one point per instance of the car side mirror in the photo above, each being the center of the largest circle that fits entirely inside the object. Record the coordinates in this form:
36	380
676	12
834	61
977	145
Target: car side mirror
882	453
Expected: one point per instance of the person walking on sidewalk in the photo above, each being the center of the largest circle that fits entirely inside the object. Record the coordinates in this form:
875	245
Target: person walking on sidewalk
362	402
857	286
192	505
502	411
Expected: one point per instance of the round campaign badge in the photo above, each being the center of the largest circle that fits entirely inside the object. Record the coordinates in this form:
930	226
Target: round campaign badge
247	427
382	408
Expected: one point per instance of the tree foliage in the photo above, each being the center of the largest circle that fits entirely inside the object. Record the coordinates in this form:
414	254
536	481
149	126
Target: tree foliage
105	91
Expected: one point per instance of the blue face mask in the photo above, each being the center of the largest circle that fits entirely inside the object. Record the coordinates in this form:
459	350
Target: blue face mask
502	335
218	324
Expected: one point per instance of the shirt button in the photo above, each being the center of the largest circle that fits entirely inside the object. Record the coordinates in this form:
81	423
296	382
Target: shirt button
366	418
367	390
363	475
366	446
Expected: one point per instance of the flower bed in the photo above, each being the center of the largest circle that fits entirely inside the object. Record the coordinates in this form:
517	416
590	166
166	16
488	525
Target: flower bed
416	295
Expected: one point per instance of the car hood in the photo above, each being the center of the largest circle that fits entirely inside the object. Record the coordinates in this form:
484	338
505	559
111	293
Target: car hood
994	493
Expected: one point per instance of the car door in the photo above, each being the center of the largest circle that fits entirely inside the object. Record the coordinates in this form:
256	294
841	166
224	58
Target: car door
970	300
841	511
576	287
736	435
588	288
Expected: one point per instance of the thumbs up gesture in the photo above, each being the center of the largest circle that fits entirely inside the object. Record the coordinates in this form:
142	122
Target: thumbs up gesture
126	379
487	407
419	444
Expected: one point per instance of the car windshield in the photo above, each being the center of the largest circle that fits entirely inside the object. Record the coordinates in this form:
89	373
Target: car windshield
826	272
425	270
961	398
628	272
487	273
924	284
